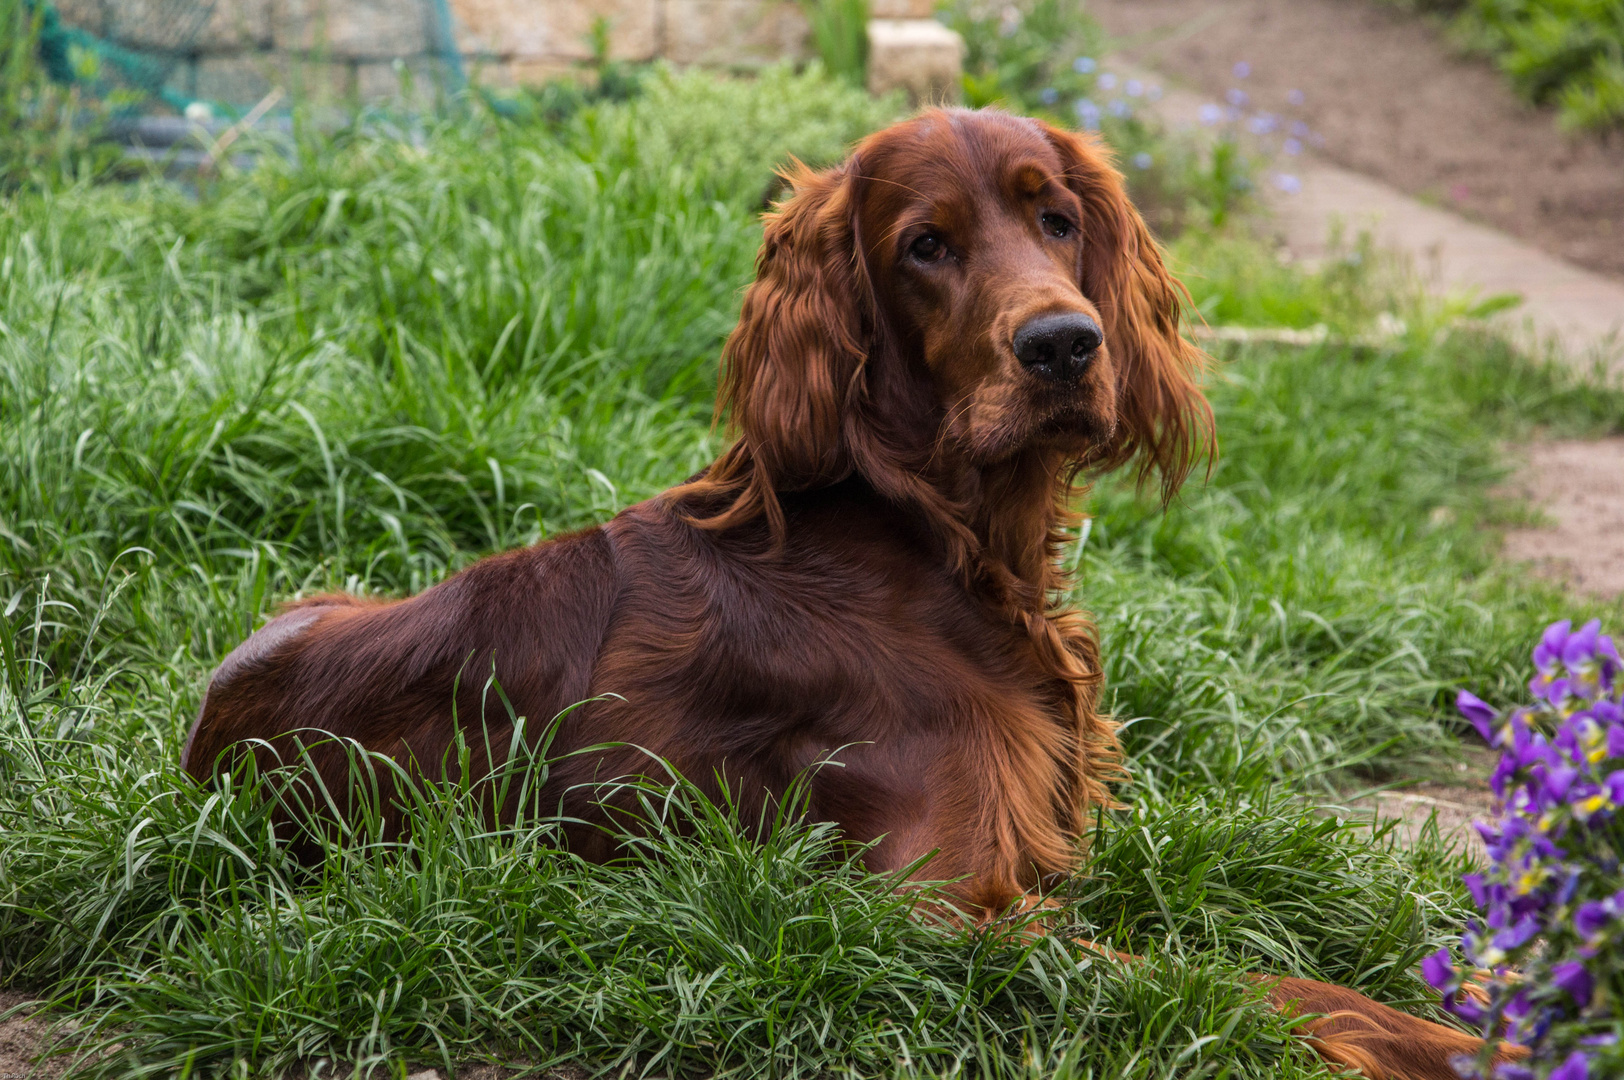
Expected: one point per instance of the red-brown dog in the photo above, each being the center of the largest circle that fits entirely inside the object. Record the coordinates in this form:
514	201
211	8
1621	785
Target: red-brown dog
943	332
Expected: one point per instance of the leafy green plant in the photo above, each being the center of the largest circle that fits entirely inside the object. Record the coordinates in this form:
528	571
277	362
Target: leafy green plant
840	36
1568	53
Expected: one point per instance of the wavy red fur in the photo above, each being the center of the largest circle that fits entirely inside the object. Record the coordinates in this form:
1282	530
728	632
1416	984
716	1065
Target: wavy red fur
869	572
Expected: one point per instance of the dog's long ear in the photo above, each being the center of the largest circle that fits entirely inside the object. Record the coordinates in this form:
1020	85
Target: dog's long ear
794	363
1163	417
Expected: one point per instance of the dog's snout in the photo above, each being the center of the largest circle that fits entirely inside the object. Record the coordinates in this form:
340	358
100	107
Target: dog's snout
1058	346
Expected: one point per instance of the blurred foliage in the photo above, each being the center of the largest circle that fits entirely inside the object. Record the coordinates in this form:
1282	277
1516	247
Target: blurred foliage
840	36
1040	57
47	132
1566	53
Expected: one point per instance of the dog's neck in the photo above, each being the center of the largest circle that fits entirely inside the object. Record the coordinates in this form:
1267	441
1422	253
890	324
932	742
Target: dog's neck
999	524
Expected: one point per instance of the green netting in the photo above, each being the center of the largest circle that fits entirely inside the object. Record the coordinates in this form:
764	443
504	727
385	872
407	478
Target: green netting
155	37
168	30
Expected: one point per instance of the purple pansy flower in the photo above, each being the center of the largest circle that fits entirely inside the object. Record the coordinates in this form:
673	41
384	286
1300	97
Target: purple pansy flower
1576	1067
1479	712
1551	644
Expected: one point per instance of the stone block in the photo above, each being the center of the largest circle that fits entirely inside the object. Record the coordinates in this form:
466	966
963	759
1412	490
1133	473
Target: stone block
513	74
241	80
920	56
901	9
235	80
187	26
236	24
555	30
351	29
416	83
733	33
88	15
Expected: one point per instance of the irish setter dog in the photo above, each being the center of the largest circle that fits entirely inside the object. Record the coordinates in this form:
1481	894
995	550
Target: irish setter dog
943	334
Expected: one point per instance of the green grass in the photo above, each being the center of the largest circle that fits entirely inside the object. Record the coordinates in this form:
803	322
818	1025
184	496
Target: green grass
366	369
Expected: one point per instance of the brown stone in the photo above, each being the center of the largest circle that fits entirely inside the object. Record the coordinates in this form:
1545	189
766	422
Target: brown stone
236	24
533	30
351	29
920	56
417	83
235	80
88	15
510	74
733	32
901	9
317	82
176	26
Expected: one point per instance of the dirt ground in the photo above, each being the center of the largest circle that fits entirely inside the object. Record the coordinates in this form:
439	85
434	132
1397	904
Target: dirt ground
1392	99
22	1038
1580	488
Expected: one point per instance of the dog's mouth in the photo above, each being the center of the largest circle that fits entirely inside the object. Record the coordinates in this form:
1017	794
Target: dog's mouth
1074	418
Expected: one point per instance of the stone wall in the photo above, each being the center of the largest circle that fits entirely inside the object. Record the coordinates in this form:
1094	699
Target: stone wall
346	49
236	51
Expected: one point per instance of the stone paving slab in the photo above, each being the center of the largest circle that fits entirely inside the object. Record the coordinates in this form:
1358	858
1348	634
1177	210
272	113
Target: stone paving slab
1580	311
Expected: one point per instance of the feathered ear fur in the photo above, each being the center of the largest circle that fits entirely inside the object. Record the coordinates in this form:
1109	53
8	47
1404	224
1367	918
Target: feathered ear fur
1163	418
794	363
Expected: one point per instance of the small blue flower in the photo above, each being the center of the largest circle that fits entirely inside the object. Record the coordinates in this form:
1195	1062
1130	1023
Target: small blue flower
1242	69
1299	129
1120	108
1288	183
1107	81
1049	95
1295	97
1133	88
1084	65
1292	147
1142	160
1262	123
1236	97
1088	113
1211	114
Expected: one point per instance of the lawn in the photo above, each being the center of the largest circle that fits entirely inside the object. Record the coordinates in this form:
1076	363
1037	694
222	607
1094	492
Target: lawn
366	367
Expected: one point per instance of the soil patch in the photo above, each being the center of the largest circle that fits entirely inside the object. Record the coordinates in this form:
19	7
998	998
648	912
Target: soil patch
1580	487
22	1039
1455	806
1390	98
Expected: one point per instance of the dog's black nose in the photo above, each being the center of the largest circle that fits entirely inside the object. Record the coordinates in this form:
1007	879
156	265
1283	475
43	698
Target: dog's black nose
1058	346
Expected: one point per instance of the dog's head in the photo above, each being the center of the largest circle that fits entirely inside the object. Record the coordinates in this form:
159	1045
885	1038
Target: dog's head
967	288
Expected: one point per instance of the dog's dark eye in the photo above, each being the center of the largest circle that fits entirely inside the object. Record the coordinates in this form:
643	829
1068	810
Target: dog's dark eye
1056	226
928	248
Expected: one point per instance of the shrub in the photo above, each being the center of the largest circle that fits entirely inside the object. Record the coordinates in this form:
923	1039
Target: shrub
1569	53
